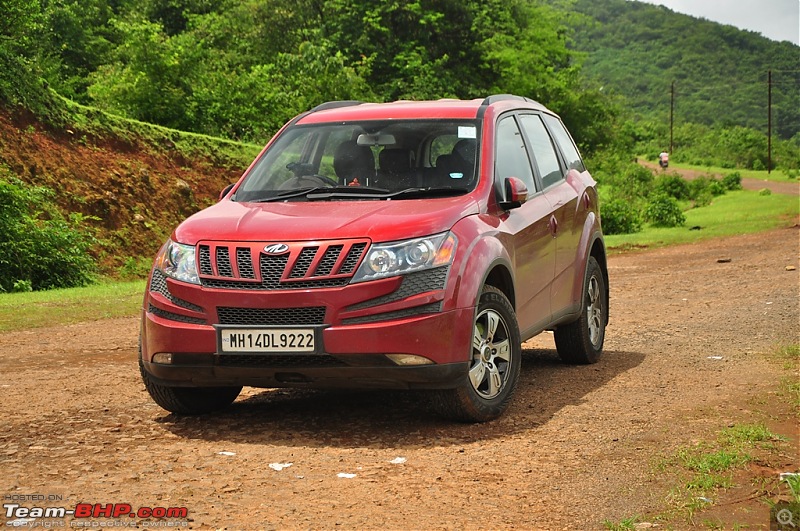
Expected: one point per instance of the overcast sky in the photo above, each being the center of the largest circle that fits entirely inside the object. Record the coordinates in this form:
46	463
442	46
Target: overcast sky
778	20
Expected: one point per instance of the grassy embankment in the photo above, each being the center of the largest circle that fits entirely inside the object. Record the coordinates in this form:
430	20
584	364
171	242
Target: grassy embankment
739	212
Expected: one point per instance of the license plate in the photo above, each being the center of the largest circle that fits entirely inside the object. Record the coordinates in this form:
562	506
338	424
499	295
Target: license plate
267	340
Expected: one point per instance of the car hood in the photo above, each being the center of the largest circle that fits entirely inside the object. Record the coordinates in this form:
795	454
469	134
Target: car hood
324	220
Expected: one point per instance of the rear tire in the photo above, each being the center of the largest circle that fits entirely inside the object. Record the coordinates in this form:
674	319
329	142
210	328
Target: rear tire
494	365
581	342
188	400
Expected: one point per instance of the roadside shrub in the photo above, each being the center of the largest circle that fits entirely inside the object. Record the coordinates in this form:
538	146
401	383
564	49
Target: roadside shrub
628	180
765	191
22	286
135	268
732	181
705	184
39	248
664	211
704	198
672	185
620	217
716	188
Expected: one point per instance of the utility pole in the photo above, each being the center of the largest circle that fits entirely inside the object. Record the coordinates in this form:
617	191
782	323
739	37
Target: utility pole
769	122
671	115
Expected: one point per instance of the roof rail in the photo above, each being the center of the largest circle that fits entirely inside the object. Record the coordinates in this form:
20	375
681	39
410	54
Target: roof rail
500	97
335	105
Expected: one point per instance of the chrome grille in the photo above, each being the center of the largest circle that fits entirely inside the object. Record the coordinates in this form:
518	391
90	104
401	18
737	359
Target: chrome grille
352	259
224	262
314	315
321	265
245	263
329	260
303	262
205	260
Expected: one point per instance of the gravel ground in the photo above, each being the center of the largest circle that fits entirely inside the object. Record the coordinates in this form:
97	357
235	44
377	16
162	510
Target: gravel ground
686	355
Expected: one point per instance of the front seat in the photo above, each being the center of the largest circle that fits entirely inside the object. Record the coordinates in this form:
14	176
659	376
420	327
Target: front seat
458	167
395	169
354	164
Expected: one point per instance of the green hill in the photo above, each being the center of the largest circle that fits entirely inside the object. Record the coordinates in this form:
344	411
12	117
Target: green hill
720	72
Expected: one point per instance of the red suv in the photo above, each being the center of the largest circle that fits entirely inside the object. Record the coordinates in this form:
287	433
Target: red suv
410	245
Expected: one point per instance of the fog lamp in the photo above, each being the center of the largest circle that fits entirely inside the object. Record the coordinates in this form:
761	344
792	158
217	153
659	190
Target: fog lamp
409	359
164	358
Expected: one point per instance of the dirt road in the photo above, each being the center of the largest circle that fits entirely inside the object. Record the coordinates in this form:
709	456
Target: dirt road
685	357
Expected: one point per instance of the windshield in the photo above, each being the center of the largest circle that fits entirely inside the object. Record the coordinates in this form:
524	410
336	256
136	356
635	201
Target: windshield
366	160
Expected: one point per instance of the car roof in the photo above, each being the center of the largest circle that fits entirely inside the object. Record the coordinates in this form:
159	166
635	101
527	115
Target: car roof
414	110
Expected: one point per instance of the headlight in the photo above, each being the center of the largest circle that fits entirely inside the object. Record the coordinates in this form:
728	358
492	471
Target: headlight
178	261
399	258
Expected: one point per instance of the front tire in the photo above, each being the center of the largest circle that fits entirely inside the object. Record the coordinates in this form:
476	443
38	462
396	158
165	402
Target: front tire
581	342
494	365
188	400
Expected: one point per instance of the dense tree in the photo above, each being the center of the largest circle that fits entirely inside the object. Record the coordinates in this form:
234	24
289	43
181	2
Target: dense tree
720	72
241	68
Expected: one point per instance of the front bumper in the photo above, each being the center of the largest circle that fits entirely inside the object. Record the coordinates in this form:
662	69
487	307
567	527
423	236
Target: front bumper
205	371
351	354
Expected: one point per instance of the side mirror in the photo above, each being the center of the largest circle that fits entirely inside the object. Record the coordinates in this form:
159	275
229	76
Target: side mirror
515	193
225	191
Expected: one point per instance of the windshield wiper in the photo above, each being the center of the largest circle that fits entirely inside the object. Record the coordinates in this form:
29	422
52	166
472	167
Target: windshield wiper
348	192
318	193
430	191
288	194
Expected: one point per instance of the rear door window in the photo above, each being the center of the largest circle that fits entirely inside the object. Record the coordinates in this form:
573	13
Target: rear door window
544	153
565	142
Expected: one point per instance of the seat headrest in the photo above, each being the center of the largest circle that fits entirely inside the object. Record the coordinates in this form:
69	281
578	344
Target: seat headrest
350	159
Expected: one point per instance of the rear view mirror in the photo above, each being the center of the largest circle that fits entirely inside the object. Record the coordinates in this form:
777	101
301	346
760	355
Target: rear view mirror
365	139
516	193
225	191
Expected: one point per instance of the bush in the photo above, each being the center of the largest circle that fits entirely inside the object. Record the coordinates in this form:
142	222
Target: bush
664	211
628	180
716	188
620	217
672	185
705	184
39	248
704	198
732	181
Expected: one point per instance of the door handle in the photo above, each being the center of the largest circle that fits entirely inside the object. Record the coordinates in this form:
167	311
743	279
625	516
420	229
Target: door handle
553	225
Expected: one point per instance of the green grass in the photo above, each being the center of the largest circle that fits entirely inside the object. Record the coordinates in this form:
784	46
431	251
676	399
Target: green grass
739	212
68	306
622	525
761	175
96	123
709	466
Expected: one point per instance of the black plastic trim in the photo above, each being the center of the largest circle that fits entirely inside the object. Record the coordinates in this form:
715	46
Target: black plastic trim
335	105
441	376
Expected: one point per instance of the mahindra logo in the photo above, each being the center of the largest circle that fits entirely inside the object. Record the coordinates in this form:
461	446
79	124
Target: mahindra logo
276	248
